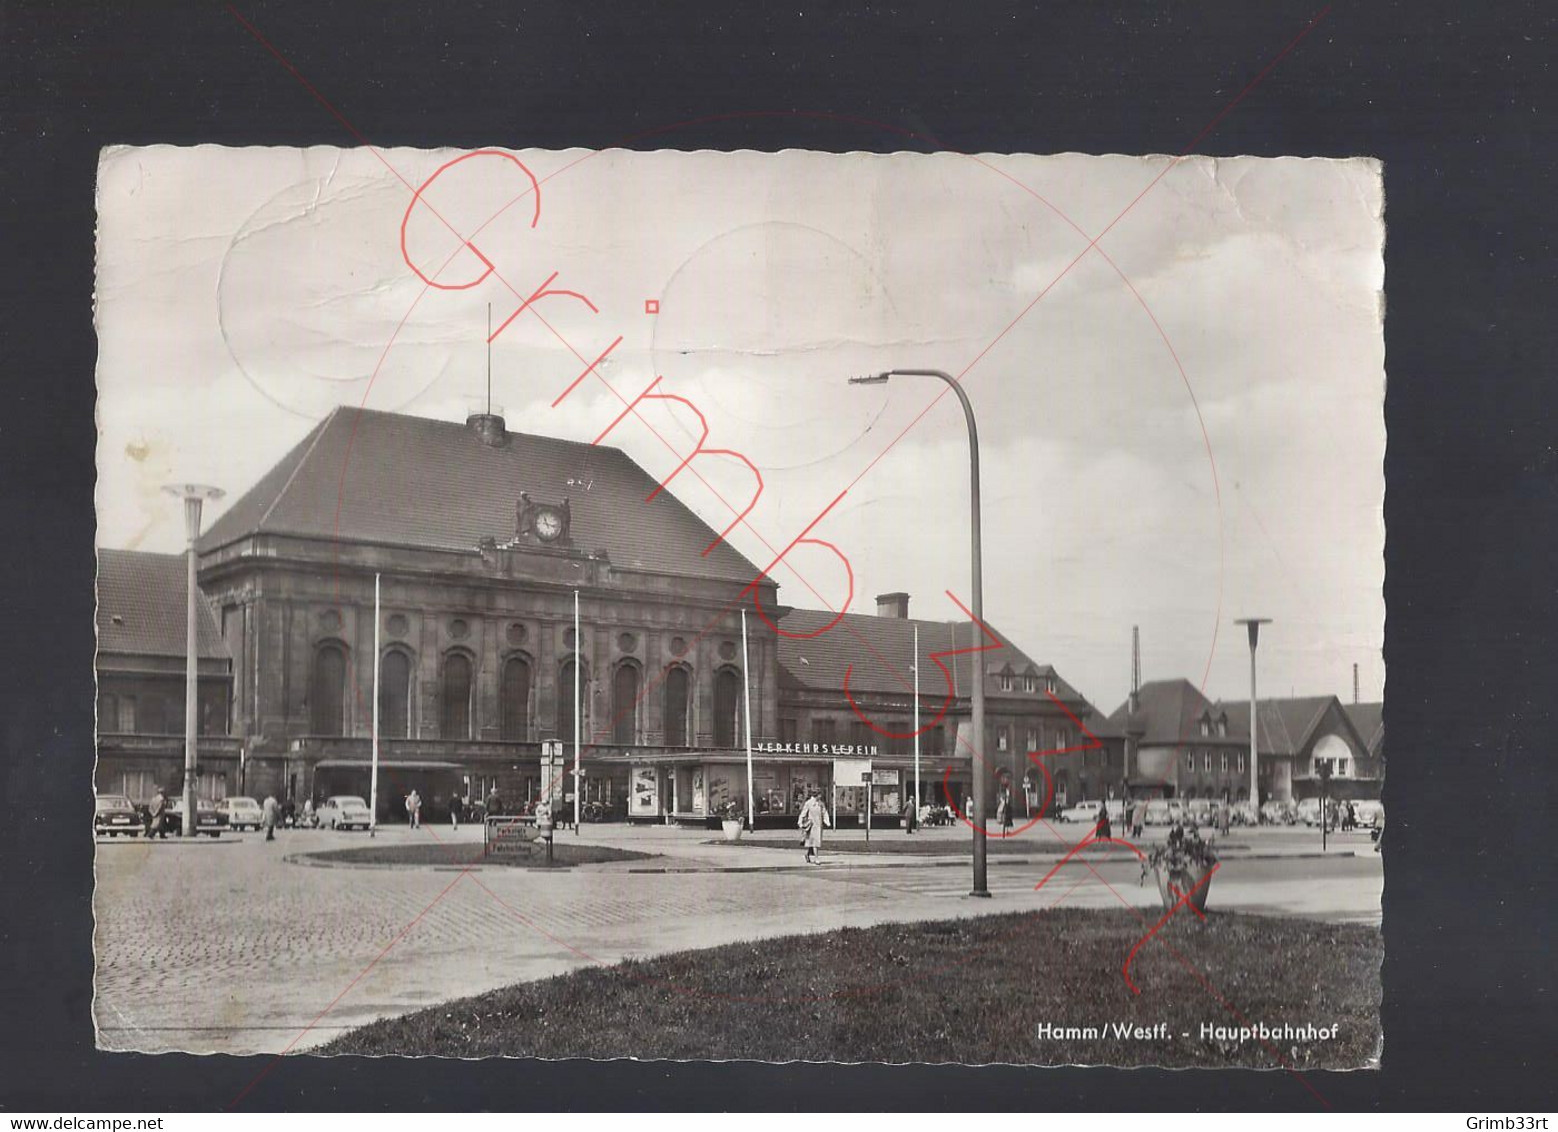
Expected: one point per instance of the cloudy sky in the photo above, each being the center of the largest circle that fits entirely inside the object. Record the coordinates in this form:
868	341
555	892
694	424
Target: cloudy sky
1186	428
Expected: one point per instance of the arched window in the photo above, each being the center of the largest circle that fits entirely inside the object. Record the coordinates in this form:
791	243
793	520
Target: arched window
327	691
395	695
624	704
455	714
565	710
727	707
678	699
516	699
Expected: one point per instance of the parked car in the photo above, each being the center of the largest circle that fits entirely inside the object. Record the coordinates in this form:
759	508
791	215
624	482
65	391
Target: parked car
1275	812
1088	812
1158	813
1309	811
206	819
1244	813
115	814
1200	811
344	811
240	813
1368	815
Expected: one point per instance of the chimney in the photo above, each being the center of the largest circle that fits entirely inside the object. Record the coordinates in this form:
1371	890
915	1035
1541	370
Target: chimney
1355	683
489	428
894	605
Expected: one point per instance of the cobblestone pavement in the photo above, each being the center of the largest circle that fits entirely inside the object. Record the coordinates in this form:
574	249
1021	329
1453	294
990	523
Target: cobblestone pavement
227	946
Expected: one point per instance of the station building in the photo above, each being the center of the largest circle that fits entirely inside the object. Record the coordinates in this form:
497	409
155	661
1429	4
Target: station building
480	540
1180	744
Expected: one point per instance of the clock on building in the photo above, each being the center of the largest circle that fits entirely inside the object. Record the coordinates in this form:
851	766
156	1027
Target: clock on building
549	523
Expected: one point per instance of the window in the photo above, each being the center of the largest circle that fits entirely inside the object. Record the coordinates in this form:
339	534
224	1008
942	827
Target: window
1222	724
127	714
1062	739
822	731
1206	761
1190	760
787	731
327	691
1006	679
455	714
1241	764
677	698
937	738
1030	682
1049	684
860	734
727	707
565	703
1225	762
1206	726
1033	739
108	713
395	695
624	704
1003	740
514	707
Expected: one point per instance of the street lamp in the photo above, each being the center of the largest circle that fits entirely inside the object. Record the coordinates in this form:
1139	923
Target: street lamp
1253	624
193	495
977	817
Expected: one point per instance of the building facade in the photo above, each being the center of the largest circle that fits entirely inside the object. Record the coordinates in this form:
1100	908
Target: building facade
479	548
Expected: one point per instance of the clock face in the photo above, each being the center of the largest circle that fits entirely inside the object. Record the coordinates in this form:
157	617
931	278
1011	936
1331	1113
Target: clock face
549	524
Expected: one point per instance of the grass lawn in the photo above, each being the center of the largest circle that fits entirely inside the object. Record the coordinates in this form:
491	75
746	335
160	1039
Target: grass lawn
459	854
971	990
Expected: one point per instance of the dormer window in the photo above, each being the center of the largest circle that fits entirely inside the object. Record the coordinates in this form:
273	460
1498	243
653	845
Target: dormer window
1006	679
1222	724
1030	683
1206	726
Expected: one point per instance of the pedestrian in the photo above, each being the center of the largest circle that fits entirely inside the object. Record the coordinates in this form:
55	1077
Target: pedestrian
1224	817
1003	809
1105	832
269	812
308	812
494	803
456	807
414	808
814	815
154	816
911	815
1138	815
968	806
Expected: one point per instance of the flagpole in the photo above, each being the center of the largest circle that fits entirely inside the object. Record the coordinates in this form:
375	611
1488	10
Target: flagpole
373	780
746	672
918	797
578	708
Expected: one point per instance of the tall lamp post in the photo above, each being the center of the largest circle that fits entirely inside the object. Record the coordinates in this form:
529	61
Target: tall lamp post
977	818
193	495
1253	624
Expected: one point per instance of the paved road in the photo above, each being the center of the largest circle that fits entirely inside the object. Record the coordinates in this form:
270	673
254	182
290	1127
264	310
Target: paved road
227	946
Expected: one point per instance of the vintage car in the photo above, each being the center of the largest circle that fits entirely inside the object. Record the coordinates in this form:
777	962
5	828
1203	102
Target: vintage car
1088	812
1274	812
1244	813
240	813
115	814
1158	813
344	811
1368	814
206	819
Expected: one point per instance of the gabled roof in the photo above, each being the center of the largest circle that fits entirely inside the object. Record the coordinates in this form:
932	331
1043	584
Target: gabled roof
387	478
881	653
1369	720
1286	725
1170	713
142	606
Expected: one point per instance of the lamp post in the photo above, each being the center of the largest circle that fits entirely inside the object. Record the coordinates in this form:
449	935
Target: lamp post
977	817
1253	624
193	495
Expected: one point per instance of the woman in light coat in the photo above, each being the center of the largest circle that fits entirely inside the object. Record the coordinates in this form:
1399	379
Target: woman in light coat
814	815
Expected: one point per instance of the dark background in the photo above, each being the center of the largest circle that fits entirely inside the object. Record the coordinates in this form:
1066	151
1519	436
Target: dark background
1456	99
